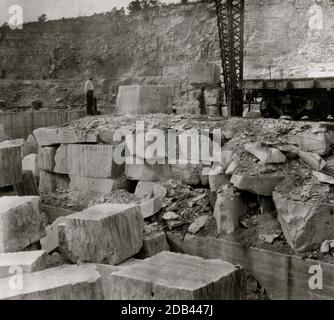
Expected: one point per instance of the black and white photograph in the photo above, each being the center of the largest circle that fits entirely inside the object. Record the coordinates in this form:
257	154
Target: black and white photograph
167	154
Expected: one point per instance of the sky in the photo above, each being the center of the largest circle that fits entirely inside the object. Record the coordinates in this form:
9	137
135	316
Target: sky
57	9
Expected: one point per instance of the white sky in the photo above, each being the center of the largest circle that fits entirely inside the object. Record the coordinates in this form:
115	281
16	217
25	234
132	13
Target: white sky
57	9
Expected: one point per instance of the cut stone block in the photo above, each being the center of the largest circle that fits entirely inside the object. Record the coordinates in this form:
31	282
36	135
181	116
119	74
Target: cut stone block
229	208
262	185
143	99
313	160
10	165
172	276
87	161
51	241
67	282
264	154
46	158
29	261
112	233
188	173
28	185
204	73
103	186
51	182
153	244
30	146
146	172
216	180
150	207
305	225
198	224
21	223
54	136
30	163
147	188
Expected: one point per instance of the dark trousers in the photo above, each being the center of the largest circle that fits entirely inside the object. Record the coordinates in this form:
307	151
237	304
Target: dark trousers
90	102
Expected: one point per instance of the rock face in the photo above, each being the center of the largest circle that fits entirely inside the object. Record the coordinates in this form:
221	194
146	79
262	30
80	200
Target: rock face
172	276
264	154
29	261
103	186
305	224
229	209
112	233
263	185
10	165
204	73
143	99
53	136
21	223
62	283
87	161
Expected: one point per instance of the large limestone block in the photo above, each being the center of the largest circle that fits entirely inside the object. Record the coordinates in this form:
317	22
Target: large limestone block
30	163
143	99
146	172
30	146
172	276
28	261
262	185
87	161
103	186
10	165
46	158
67	282
21	223
204	73
51	182
229	208
111	233
305	225
53	136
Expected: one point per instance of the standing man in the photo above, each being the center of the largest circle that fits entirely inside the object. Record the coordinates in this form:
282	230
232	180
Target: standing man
89	94
220	97
201	101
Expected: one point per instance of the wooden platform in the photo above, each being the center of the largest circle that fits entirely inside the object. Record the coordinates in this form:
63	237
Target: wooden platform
283	276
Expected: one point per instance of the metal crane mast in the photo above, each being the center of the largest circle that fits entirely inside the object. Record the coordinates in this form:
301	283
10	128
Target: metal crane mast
230	20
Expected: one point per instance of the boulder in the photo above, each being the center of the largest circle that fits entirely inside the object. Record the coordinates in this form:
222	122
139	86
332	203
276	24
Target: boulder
198	224
103	186
21	223
188	173
30	163
112	233
55	136
262	185
153	244
229	208
146	172
30	146
51	182
10	165
217	179
204	73
143	99
150	207
313	160
265	154
92	161
173	276
67	282
147	188
324	178
46	158
28	261
305	225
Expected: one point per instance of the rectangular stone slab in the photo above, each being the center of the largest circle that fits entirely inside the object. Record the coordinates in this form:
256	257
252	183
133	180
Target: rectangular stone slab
29	261
107	233
46	158
21	223
68	282
204	73
172	276
87	161
10	165
143	99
